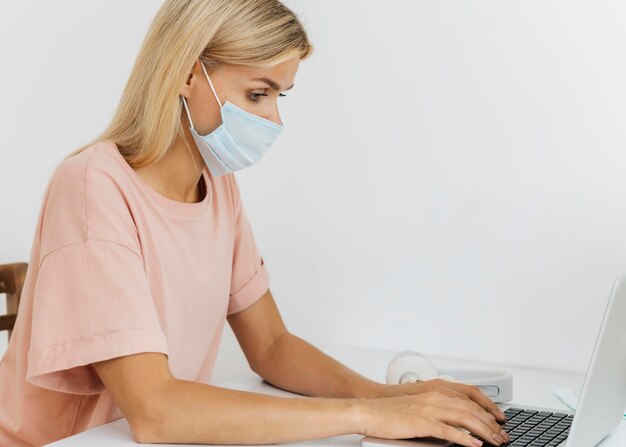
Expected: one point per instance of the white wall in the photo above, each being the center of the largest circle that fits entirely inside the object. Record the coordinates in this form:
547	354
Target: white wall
450	177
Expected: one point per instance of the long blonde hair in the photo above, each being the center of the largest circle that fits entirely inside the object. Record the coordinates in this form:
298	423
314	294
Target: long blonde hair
249	33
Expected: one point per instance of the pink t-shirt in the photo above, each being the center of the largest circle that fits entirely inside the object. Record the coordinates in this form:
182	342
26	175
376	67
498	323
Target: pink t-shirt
116	269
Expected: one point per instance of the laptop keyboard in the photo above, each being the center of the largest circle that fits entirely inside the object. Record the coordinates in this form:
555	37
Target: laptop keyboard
532	428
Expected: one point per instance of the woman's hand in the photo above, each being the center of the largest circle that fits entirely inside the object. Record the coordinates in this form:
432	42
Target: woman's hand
430	413
452	389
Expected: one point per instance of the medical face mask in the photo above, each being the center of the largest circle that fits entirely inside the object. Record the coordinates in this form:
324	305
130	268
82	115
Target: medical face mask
240	141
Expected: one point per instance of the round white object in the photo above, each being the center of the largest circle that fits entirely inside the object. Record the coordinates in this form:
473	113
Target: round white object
411	366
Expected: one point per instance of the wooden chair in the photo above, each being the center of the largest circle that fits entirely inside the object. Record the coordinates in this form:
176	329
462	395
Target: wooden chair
11	282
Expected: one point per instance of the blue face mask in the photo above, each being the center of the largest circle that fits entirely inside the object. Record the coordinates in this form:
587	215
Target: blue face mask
240	141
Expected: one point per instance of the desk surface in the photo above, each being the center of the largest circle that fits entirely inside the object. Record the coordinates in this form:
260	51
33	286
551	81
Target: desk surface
531	387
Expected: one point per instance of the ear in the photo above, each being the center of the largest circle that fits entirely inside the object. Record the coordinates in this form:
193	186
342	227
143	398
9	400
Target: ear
187	87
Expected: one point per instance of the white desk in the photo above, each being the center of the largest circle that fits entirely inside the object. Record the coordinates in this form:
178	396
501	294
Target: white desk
532	387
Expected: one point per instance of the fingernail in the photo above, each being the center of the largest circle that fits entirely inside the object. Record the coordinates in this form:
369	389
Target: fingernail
497	438
502	415
477	442
505	435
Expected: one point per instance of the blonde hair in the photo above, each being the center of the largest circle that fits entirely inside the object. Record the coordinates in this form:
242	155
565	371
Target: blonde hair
256	34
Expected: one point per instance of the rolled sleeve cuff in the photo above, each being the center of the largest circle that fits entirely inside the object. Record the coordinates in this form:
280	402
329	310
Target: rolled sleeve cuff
251	292
56	367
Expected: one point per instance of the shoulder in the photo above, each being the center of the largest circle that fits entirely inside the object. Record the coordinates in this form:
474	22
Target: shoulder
94	166
86	199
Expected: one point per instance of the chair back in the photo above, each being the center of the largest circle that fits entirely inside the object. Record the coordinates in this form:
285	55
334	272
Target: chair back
11	283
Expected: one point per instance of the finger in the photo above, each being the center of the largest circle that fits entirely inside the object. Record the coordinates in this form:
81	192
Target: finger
443	431
487	417
467	420
443	401
478	411
484	401
475	394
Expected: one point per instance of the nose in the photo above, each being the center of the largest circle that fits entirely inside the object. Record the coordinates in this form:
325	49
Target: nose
275	117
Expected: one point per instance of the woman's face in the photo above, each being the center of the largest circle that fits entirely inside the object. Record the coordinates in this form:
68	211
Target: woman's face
256	91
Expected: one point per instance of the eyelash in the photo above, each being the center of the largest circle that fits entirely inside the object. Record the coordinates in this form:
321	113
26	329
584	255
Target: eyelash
262	94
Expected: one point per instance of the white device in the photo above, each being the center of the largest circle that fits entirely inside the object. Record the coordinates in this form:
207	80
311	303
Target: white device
411	366
603	395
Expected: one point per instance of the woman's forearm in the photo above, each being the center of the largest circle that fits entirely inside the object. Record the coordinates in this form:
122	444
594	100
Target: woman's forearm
295	365
192	412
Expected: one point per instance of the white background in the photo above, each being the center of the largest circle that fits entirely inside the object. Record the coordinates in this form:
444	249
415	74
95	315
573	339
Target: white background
451	177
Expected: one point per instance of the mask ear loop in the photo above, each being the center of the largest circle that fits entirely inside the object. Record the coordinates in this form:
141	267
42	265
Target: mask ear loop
187	110
185	138
210	83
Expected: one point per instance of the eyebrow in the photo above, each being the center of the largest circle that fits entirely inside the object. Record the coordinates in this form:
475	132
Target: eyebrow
272	83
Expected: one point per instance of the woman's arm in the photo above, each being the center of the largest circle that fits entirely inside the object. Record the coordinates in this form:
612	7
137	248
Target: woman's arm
290	363
295	365
163	409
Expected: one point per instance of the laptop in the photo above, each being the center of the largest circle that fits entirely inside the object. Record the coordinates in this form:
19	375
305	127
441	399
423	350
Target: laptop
599	410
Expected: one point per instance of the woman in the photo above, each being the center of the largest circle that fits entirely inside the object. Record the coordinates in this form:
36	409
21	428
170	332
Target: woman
143	250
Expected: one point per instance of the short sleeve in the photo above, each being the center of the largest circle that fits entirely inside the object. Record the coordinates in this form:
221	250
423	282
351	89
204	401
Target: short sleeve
250	278
91	302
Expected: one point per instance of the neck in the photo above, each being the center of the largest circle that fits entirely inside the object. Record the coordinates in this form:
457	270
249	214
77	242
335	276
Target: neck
177	175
